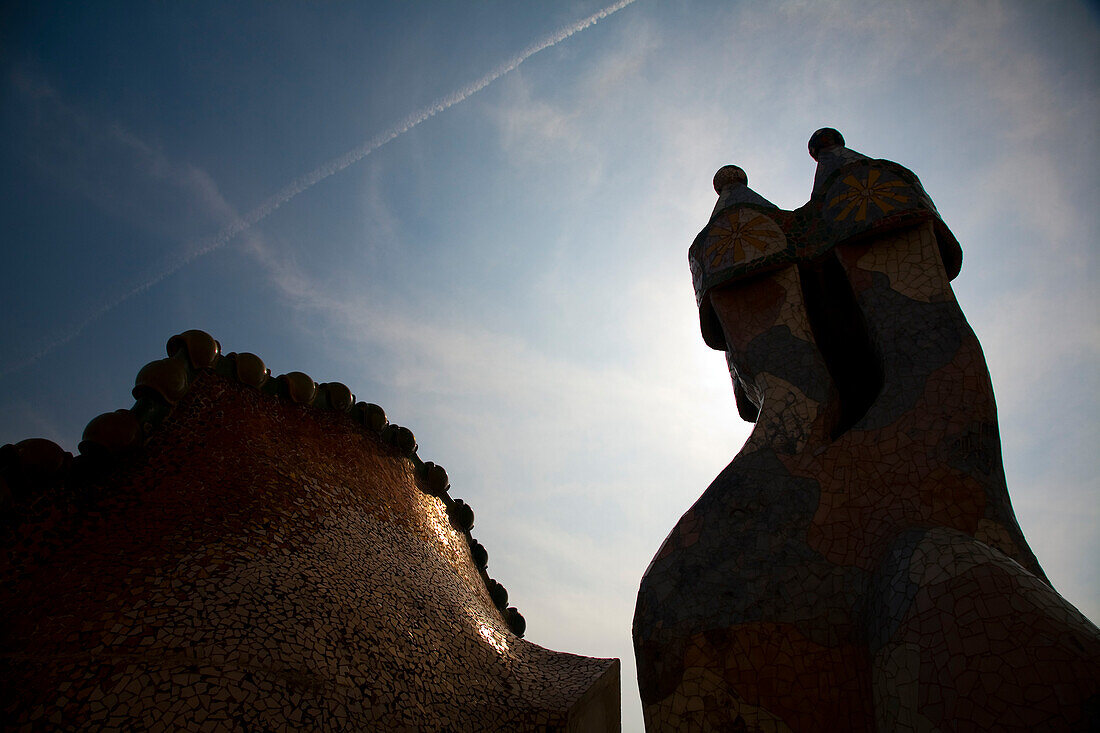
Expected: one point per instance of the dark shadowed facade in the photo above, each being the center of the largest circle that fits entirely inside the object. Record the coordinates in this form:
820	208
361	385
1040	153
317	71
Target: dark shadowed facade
858	565
246	553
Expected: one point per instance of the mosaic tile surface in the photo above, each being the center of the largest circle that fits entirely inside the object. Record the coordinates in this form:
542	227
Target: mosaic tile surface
255	562
858	565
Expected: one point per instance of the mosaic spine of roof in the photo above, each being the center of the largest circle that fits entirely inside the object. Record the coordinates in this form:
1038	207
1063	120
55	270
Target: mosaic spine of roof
858	565
240	551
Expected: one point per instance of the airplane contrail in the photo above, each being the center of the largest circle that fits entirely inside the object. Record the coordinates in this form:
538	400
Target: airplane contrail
307	181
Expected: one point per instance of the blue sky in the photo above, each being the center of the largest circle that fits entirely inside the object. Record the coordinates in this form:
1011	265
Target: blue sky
508	276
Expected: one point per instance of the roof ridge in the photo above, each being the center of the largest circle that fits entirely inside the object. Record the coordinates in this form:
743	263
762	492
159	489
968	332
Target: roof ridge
35	472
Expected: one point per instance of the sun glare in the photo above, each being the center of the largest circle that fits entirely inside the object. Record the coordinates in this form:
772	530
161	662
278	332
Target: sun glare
493	637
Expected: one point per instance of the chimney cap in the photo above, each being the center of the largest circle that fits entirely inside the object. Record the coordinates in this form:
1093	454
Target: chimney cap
826	137
729	175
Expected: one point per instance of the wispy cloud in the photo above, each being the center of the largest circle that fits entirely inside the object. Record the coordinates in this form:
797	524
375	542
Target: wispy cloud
124	176
445	362
307	181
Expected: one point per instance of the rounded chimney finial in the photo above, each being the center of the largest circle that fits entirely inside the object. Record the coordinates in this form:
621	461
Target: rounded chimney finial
729	175
826	137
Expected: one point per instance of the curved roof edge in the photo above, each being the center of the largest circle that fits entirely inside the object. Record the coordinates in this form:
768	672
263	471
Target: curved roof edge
37	471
